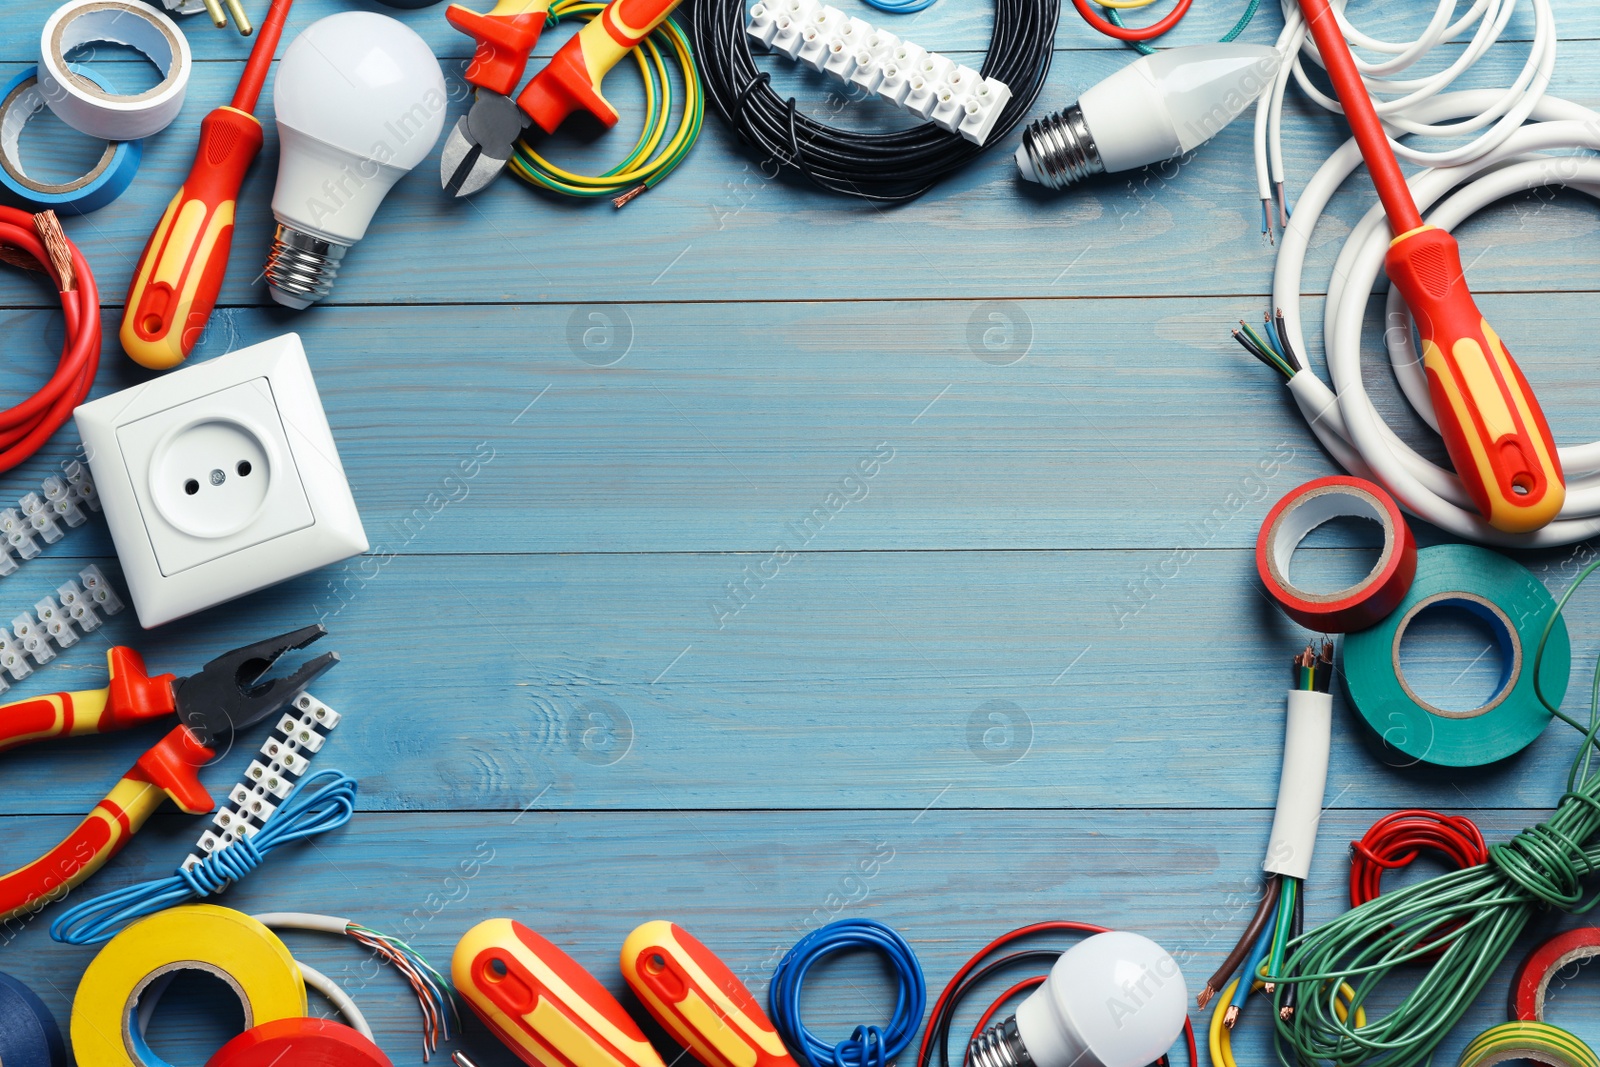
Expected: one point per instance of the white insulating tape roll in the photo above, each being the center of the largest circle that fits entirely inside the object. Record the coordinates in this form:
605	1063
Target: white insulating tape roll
86	107
1305	774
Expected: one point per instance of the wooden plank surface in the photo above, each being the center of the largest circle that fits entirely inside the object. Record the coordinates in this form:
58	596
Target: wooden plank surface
986	424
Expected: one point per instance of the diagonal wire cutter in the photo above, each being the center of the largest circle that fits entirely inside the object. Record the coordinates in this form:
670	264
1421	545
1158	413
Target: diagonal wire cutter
481	141
229	694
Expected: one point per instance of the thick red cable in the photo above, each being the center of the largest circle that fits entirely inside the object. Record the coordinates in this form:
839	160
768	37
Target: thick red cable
1387	177
25	427
1132	33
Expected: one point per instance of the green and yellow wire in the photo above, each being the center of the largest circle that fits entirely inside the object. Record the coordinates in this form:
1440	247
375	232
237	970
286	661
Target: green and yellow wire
650	161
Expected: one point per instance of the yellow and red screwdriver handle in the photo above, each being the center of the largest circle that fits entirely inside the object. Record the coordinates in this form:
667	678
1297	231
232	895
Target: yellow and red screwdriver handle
698	1000
505	36
542	1003
572	79
168	770
1491	422
180	272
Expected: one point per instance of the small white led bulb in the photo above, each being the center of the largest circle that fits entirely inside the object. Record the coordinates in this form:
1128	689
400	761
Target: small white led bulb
1113	1000
1153	109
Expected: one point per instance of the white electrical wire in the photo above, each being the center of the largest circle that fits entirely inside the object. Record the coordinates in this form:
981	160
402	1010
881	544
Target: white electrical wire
1344	418
325	924
1399	100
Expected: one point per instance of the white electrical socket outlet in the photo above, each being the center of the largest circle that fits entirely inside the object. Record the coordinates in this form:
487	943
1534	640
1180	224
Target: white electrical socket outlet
220	479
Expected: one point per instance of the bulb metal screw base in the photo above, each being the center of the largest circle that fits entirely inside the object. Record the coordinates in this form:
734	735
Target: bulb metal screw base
1001	1046
301	268
1061	149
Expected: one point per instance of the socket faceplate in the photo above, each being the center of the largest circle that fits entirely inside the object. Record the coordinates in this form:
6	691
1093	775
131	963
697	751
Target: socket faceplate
219	479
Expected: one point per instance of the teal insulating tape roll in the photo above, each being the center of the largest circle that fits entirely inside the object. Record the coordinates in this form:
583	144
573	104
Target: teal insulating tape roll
29	1036
1516	605
20	100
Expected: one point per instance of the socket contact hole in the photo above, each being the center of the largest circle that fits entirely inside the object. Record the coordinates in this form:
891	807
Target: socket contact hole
244	468
191	487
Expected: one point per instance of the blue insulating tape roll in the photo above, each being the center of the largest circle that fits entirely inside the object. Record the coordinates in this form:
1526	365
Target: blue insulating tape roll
20	100
1516	606
29	1036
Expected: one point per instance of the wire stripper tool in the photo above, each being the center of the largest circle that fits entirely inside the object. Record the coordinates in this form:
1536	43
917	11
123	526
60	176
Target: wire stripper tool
482	140
227	695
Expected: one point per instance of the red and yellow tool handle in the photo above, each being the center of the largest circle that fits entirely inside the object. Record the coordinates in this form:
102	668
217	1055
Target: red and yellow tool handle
698	1000
180	273
505	36
167	770
131	697
572	80
1491	422
542	1003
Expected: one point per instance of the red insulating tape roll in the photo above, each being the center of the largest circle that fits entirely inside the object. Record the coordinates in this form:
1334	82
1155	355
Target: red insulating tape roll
1303	510
301	1042
1533	977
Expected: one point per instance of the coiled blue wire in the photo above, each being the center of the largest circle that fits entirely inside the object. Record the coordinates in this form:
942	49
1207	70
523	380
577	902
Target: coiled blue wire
868	1046
306	812
901	7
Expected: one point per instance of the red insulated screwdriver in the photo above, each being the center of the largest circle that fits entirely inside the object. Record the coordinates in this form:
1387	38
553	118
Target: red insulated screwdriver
1488	416
181	270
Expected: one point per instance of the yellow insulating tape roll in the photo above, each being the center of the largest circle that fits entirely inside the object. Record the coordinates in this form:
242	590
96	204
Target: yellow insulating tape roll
199	937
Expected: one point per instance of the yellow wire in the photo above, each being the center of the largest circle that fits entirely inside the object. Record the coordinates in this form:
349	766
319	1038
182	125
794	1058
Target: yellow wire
1124	5
645	168
1220	1038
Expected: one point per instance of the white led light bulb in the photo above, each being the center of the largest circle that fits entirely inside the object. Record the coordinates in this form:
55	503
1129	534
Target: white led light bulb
1153	109
1113	1000
360	101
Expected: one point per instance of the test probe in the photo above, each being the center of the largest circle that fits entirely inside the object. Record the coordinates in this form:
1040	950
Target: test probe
1491	422
180	272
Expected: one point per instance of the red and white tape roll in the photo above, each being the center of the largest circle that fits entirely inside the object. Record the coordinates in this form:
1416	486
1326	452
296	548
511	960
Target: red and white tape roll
1303	510
1528	989
301	1042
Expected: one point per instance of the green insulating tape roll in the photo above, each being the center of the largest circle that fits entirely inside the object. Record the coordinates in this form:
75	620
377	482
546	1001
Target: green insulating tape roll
1536	1042
1516	605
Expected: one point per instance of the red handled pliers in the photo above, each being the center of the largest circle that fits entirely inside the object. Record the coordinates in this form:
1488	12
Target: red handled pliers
228	694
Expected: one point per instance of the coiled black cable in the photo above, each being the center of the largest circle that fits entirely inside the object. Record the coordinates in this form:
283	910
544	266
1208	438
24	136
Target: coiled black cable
883	167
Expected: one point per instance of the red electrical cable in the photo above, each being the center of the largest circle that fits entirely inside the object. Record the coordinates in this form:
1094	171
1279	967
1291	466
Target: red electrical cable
1394	841
1387	177
1000	942
989	1013
1132	33
38	238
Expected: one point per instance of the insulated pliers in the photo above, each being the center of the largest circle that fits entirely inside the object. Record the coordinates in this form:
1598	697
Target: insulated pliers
483	140
227	695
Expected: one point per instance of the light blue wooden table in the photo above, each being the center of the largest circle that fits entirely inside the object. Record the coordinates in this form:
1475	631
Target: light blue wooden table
960	673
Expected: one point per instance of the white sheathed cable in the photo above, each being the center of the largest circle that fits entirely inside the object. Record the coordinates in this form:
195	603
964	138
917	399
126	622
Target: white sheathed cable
1306	743
1344	417
1399	100
337	997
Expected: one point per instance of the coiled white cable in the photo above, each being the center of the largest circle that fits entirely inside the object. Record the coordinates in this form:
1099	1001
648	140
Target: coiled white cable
1343	417
1398	100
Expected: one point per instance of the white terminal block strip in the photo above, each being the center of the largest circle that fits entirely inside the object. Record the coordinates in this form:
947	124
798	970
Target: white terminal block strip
39	516
284	759
1306	742
930	86
51	622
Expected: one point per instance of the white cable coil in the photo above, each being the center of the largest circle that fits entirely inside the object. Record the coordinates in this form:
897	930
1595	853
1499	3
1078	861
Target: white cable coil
1344	417
1404	104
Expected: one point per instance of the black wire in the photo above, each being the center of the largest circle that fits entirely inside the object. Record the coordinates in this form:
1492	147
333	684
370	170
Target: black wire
881	167
939	1024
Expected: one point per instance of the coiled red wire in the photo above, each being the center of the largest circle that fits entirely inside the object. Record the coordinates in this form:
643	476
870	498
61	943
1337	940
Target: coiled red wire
1132	33
28	425
1397	839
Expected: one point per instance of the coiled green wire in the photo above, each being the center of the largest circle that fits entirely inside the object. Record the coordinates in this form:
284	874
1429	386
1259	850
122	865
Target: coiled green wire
1541	867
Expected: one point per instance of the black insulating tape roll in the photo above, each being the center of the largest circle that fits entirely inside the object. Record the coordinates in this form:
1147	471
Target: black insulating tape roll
29	1036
